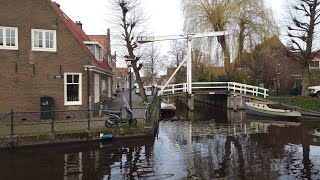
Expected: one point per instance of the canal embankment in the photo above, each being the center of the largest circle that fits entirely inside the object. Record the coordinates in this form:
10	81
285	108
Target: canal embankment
307	106
19	129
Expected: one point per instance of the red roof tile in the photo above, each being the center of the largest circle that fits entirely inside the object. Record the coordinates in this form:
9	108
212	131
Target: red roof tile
79	34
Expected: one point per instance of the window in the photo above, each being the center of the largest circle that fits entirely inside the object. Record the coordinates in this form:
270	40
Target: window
43	40
9	38
96	49
73	89
96	88
278	69
315	63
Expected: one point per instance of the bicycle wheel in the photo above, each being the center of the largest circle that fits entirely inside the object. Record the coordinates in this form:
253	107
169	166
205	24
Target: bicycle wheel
107	123
133	121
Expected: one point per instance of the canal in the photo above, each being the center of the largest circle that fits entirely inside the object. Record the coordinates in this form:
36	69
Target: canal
207	144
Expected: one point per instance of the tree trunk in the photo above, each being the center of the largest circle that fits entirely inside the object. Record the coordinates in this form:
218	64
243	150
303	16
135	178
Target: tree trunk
240	50
305	81
226	52
139	81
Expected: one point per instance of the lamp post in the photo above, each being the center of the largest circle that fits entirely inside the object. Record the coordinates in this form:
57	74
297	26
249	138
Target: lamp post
128	61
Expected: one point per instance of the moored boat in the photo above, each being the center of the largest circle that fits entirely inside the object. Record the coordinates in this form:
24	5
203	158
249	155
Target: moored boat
167	109
271	110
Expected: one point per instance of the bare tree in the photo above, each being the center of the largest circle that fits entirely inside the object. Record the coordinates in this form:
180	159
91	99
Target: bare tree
129	21
178	49
153	62
304	17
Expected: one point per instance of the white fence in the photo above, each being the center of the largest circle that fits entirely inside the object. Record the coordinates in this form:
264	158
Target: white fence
216	87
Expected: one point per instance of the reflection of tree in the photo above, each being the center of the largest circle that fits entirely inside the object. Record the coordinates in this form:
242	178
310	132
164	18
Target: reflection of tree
260	155
222	171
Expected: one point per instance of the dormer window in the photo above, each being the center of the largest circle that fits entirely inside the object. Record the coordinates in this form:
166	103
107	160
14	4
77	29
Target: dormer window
96	49
9	38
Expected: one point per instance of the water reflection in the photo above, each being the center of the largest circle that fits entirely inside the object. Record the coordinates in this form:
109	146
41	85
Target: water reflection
206	144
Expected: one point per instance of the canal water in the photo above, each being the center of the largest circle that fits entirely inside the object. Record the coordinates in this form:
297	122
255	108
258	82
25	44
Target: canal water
210	143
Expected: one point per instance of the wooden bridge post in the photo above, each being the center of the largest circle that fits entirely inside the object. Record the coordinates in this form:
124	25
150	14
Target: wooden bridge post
190	100
232	102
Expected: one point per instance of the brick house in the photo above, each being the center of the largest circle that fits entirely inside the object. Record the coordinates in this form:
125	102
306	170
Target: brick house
104	41
44	53
122	79
271	63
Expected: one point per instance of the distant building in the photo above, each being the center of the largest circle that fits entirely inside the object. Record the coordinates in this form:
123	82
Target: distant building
122	79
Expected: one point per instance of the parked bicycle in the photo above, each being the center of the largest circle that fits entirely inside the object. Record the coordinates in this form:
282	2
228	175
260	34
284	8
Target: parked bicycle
115	118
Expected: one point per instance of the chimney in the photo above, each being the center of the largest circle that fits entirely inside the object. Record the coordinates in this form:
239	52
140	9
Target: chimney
79	24
57	4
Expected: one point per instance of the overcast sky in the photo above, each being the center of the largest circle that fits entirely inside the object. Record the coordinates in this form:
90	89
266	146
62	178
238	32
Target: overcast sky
165	16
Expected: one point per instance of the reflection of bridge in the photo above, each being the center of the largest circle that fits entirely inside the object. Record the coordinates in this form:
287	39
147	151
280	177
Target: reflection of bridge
235	92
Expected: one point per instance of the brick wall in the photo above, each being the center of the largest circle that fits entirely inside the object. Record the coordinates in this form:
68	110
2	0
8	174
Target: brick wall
27	75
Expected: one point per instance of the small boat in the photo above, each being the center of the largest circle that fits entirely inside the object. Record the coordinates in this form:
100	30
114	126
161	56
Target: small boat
271	110
167	109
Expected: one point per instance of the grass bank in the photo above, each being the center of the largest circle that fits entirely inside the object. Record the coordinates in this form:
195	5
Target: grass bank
308	103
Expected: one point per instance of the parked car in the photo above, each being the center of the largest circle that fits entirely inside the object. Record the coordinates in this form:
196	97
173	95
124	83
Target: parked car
148	90
137	90
314	91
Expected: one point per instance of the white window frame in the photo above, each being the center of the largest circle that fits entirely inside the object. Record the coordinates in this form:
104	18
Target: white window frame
315	59
109	86
98	49
72	103
96	88
44	48
4	46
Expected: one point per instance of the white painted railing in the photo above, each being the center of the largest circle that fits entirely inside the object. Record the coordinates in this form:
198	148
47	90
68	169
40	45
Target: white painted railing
214	87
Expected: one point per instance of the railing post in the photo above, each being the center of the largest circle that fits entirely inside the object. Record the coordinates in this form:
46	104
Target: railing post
89	120
121	114
265	93
12	125
52	126
172	89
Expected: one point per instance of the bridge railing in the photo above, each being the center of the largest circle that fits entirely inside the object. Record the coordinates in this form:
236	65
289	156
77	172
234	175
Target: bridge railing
175	89
210	86
214	87
248	89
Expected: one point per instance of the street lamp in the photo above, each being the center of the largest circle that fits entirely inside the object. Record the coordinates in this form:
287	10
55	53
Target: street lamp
128	61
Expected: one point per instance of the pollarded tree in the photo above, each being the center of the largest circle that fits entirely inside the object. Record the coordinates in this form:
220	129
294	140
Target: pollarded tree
129	22
304	16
